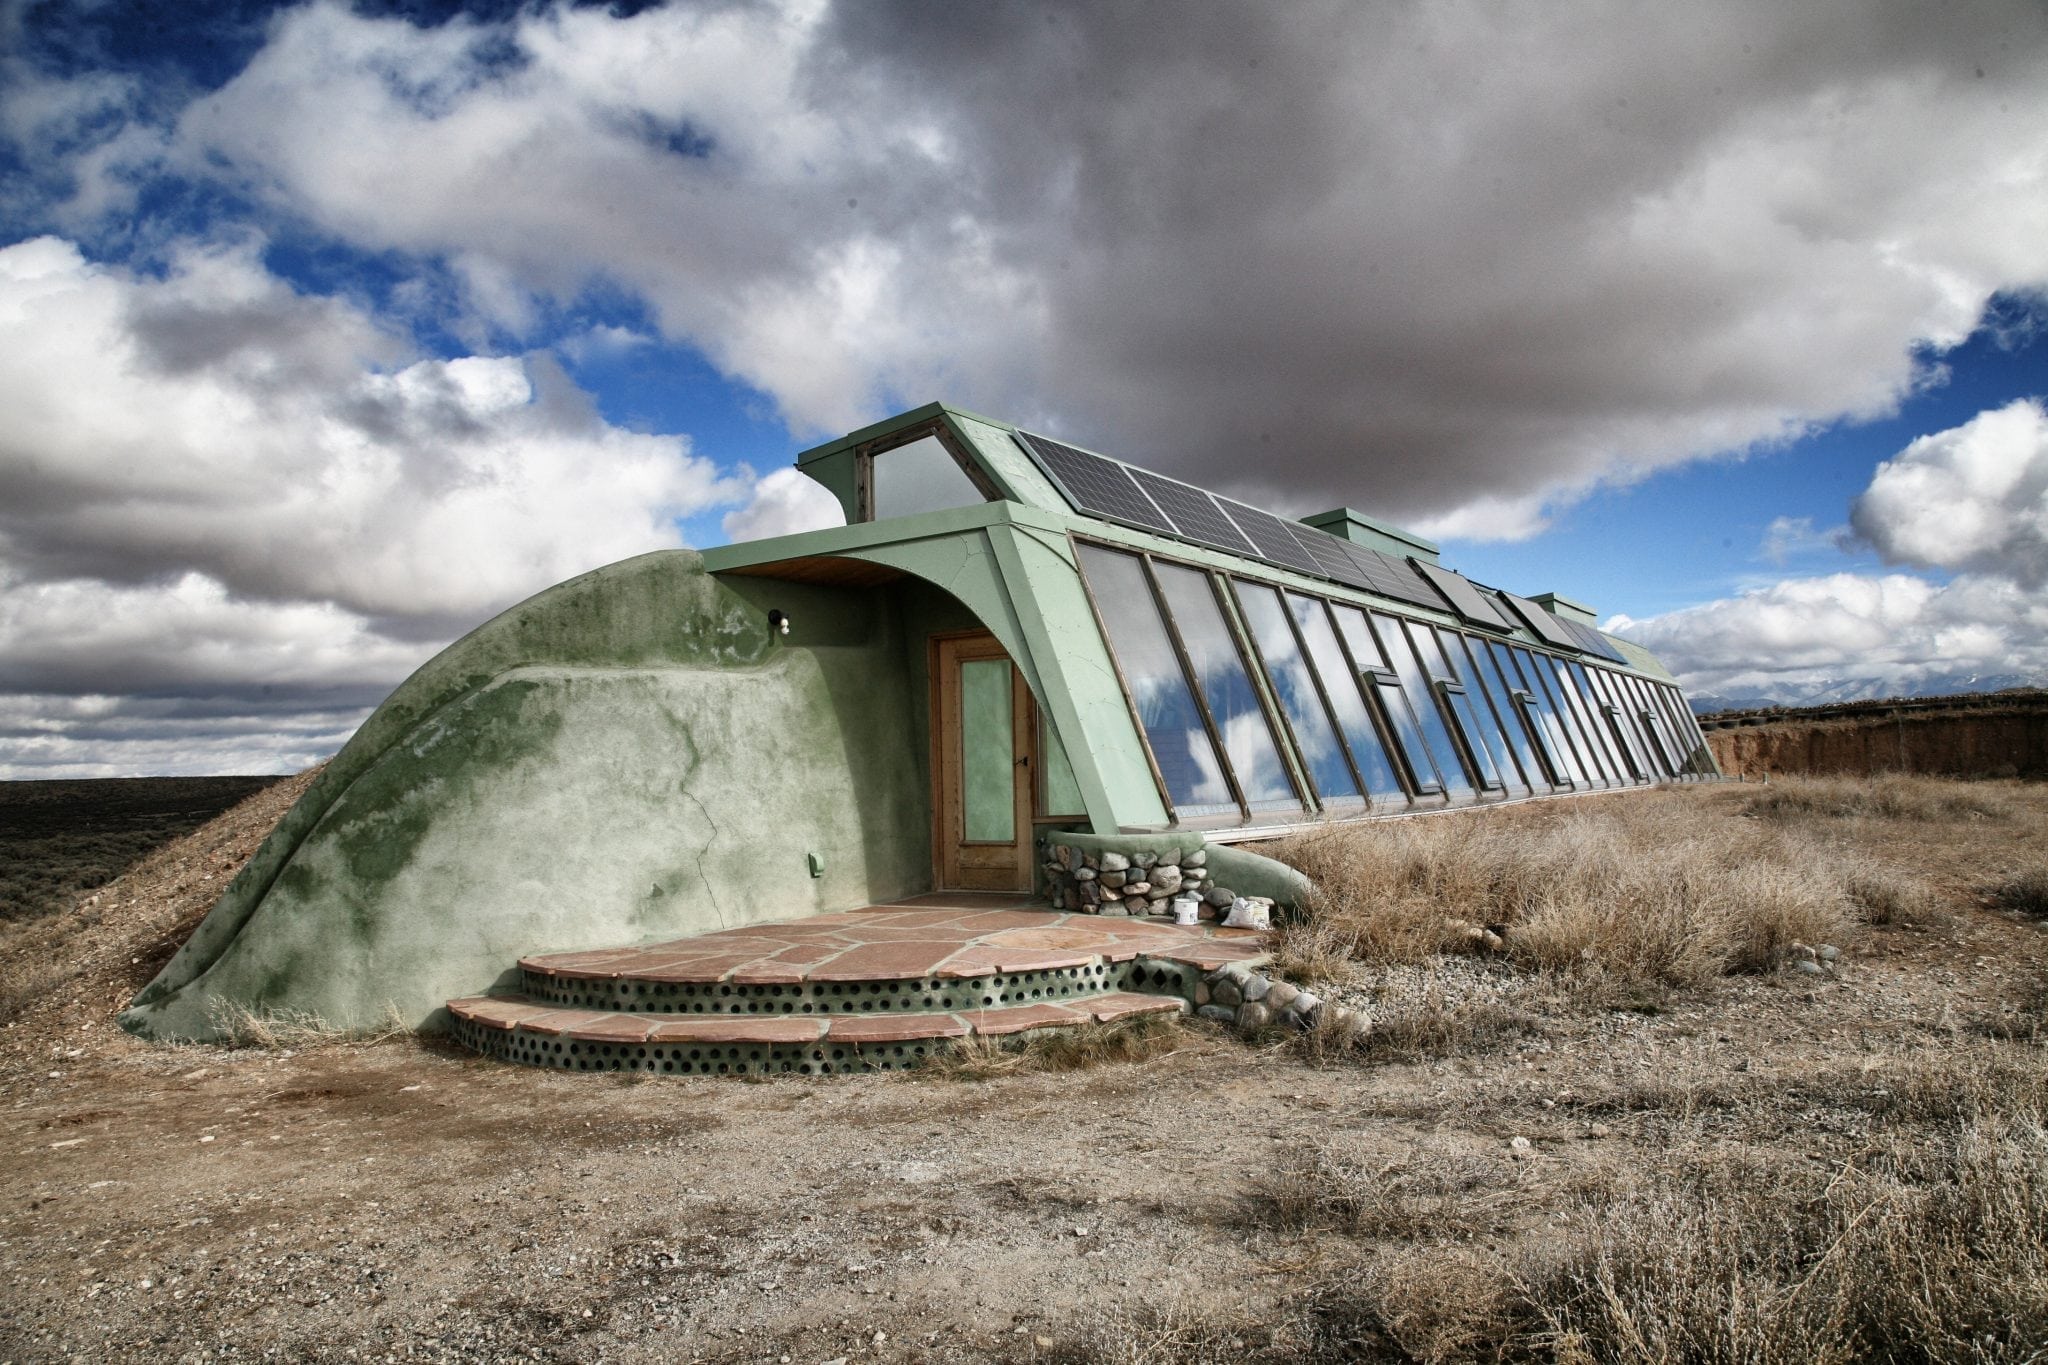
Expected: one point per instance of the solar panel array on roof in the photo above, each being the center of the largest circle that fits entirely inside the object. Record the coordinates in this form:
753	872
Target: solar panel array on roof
1154	502
1398	579
1095	484
1194	512
1463	597
1591	640
1274	538
1549	628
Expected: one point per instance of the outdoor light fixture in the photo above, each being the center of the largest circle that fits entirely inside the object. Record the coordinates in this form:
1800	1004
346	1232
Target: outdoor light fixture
778	621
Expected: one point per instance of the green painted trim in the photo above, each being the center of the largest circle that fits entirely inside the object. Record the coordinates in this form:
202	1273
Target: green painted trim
1566	607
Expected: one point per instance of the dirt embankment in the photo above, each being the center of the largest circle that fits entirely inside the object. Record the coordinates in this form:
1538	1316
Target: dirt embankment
1954	737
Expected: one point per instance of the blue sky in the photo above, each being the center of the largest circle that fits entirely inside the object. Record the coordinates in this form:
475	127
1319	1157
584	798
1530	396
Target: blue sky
328	330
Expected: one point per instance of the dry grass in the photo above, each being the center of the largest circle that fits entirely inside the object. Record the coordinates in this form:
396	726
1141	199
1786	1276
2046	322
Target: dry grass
1886	896
1639	890
980	1058
1930	1244
2024	893
1884	796
237	1026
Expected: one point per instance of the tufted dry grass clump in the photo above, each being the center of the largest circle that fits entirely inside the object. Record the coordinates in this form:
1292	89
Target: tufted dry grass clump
1882	796
2024	892
1655	888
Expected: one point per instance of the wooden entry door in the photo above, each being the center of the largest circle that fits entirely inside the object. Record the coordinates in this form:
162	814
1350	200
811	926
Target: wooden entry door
981	761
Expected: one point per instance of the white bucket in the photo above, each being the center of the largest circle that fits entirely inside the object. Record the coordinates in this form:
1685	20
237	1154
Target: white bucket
1187	909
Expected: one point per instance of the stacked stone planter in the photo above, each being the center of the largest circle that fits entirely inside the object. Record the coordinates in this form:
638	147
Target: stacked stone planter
1141	882
1139	874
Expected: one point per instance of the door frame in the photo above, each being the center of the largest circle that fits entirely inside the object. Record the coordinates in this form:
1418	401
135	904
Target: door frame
944	652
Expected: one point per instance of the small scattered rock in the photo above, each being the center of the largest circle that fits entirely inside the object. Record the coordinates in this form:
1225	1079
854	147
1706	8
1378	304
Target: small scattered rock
1599	1130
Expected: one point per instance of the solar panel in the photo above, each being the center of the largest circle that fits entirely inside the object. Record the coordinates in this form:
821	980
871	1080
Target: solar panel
1395	578
1591	640
1094	484
1115	491
1333	554
1463	597
1549	628
1194	513
1271	536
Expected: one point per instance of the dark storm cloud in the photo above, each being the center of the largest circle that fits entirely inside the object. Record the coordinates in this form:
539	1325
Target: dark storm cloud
1425	256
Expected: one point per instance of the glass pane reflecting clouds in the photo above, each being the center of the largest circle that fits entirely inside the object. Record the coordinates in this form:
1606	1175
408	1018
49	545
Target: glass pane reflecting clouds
1233	703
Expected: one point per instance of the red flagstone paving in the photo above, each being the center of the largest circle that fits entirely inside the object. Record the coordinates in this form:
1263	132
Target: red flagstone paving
948	936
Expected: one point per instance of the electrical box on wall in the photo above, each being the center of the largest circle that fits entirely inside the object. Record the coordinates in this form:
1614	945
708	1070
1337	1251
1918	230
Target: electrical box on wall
817	864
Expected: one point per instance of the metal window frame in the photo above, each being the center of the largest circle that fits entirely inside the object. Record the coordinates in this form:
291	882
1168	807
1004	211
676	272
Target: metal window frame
864	463
1544	682
1478	754
1443	710
1234	630
1387	677
1545	744
1478	673
1116	667
1376	709
1372	712
1580	706
1623	722
1308	776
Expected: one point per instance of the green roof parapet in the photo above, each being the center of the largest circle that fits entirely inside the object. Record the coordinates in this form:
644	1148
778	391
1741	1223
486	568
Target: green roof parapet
1360	529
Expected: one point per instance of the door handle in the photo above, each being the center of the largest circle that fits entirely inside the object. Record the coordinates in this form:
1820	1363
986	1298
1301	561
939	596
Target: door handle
1024	762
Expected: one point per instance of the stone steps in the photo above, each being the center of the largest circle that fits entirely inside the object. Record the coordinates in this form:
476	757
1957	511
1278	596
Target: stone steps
877	988
516	1029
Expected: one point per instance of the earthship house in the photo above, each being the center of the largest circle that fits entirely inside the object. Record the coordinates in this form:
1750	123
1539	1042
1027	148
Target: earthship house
1021	671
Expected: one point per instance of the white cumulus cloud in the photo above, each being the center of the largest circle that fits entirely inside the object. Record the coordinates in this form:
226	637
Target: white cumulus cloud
782	504
1974	497
1968	498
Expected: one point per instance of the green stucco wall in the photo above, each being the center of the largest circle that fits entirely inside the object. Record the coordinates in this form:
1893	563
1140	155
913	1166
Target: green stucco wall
627	757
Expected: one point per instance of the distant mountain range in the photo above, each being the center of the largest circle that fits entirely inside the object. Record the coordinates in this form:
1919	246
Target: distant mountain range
1822	691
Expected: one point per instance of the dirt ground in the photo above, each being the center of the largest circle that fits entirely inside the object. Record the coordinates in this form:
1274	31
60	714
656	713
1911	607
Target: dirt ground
398	1200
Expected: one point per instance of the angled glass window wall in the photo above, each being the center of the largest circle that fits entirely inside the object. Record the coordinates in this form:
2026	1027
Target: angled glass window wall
1450	765
1584	709
1443	655
1220	676
1515	724
1299	692
1342	684
1176	729
1357	706
1410	750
